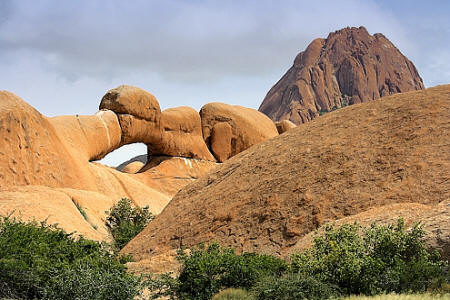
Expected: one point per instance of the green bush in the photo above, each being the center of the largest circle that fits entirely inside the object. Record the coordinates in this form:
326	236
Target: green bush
38	261
125	221
293	286
207	271
375	260
343	261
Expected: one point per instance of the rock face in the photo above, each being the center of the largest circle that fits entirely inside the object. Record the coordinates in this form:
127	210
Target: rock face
97	135
248	127
47	168
284	125
182	131
392	151
48	164
170	174
31	152
221	141
62	206
140	159
181	135
132	167
138	112
349	66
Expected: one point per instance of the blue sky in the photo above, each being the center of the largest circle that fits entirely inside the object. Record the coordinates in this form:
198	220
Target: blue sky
62	56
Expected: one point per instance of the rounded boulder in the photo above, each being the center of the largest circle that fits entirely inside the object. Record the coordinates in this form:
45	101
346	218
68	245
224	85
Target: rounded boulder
248	127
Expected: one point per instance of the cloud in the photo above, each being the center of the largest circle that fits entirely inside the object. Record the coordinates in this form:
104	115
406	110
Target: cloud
5	11
62	56
183	41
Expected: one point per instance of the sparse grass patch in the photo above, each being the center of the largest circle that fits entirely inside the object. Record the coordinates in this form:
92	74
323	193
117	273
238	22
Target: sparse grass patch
81	210
402	297
233	294
294	286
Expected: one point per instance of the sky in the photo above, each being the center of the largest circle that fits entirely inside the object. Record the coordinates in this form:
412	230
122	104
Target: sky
62	56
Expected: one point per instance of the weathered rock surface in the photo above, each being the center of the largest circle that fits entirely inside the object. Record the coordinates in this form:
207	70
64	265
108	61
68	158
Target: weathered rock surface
284	125
61	206
133	167
248	127
46	168
181	135
349	66
142	159
392	151
174	132
221	139
130	100
138	112
31	152
170	174
93	137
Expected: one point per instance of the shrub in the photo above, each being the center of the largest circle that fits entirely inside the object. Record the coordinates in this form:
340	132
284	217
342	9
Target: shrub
378	259
38	261
347	260
293	286
206	271
125	221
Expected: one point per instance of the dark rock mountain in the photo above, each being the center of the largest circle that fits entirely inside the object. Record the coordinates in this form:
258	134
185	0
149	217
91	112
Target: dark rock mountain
349	66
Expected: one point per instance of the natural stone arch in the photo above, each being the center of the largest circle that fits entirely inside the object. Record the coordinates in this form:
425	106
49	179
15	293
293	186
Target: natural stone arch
173	132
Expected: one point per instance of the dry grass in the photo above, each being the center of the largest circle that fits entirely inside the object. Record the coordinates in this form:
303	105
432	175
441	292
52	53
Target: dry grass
237	294
232	294
402	297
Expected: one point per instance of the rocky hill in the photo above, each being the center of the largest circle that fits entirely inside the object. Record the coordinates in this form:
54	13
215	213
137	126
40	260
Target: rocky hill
350	66
49	169
395	151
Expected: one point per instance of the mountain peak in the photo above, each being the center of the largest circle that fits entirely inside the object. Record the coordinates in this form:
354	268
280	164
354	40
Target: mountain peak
350	66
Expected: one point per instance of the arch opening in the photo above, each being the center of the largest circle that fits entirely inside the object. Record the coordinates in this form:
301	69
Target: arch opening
124	155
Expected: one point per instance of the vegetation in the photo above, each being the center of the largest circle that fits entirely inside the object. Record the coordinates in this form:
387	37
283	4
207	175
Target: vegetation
82	211
402	297
125	221
239	294
207	270
343	261
294	286
382	259
39	261
233	294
